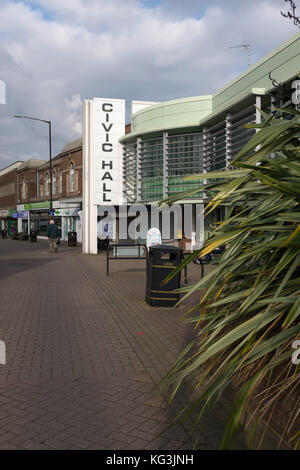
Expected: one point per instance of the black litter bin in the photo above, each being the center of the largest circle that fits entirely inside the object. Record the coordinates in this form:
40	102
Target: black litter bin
33	235
72	238
161	261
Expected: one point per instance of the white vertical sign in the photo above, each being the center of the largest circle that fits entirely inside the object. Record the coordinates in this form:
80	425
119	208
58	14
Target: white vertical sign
103	125
109	126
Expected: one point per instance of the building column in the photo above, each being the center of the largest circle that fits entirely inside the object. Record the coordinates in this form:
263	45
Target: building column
204	157
228	156
138	169
258	120
89	223
165	166
257	113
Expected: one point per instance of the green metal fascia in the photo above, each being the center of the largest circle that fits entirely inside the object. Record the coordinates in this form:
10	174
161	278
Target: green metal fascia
283	62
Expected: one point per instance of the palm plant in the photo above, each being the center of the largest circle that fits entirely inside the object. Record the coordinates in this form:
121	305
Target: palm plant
247	314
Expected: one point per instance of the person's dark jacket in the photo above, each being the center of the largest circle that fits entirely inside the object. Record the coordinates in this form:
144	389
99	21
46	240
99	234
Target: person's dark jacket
52	231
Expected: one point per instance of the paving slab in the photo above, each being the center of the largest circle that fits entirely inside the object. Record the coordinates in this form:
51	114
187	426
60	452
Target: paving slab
84	353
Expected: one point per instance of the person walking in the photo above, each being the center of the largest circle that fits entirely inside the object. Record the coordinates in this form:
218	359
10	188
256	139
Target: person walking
12	231
52	234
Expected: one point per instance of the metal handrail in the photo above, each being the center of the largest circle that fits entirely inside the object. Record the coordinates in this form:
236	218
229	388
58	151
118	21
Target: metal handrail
123	257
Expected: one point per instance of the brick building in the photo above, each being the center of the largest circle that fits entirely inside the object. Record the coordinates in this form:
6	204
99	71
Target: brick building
66	174
25	193
34	182
8	195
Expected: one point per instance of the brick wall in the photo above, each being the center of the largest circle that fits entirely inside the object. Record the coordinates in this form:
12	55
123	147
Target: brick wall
8	190
66	176
26	185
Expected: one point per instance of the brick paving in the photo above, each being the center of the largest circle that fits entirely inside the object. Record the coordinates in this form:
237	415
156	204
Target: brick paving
84	352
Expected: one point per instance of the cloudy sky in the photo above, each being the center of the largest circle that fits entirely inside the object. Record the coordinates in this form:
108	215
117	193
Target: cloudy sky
53	54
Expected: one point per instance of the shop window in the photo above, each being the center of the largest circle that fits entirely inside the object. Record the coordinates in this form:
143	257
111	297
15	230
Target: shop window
24	192
54	185
77	180
47	185
60	181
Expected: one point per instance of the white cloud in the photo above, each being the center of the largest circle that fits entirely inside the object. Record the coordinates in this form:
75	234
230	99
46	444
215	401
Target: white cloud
54	54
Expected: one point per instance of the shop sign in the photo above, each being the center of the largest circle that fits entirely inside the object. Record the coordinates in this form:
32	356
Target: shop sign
20	215
37	205
72	212
4	213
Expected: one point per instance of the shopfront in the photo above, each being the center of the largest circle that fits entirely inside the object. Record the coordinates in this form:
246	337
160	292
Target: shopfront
70	220
22	219
39	221
7	221
67	217
3	219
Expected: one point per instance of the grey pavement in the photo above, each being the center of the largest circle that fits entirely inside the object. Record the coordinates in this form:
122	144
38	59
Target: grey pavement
84	352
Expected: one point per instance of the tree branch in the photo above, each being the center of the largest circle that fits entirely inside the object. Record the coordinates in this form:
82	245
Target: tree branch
291	14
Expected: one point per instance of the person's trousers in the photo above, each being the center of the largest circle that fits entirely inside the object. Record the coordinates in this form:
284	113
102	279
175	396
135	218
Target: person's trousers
52	245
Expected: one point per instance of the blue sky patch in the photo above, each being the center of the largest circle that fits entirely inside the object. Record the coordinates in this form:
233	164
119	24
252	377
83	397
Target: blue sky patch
35	6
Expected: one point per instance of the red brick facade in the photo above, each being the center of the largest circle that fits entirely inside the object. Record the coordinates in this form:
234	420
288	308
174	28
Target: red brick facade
66	176
26	185
8	188
32	182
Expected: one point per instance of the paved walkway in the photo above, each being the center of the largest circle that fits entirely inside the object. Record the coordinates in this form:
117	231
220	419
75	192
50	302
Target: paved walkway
83	354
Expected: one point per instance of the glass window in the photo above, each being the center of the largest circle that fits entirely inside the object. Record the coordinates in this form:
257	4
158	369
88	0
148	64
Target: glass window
54	185
72	178
47	185
24	188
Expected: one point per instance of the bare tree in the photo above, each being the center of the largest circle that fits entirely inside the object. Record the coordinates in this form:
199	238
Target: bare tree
291	13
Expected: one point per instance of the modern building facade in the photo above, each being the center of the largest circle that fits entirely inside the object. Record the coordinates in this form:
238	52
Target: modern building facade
170	141
118	166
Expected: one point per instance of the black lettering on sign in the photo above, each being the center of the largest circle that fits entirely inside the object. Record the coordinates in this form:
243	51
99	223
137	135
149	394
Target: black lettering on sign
107	128
107	176
107	165
104	198
107	107
107	147
105	189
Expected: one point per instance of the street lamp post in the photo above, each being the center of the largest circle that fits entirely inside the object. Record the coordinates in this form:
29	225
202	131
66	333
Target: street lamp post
50	150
